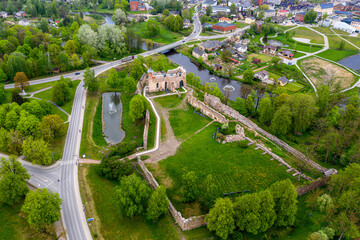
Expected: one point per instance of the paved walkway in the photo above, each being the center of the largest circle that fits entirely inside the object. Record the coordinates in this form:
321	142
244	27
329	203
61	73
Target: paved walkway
89	161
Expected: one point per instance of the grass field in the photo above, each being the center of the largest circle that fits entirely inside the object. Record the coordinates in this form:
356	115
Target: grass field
186	122
334	53
160	62
240	24
303	32
293	86
165	36
171	101
297	45
262	57
299	54
324	30
353	40
97	133
112	225
340	32
233	168
46	95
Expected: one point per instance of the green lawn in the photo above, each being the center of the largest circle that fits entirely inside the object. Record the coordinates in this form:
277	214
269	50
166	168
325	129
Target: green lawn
115	227
46	95
186	122
340	32
240	24
233	168
303	32
160	62
353	40
274	76
97	133
299	54
334	53
165	36
297	45
324	30
152	130
57	111
171	101
293	86
262	57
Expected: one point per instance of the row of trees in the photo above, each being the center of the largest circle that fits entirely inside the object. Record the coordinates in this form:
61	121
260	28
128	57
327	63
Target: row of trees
256	212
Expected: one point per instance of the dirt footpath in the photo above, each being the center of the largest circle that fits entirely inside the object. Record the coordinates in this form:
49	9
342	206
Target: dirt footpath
322	72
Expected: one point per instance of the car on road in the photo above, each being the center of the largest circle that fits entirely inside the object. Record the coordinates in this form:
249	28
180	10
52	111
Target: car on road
77	73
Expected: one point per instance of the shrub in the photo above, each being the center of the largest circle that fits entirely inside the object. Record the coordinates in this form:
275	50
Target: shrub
243	144
113	169
122	149
220	136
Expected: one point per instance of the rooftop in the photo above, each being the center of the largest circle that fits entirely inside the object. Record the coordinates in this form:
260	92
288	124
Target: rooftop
326	5
224	24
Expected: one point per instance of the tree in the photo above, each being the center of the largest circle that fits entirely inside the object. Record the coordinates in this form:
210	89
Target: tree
137	107
233	9
261	14
70	47
113	80
226	55
266	110
13	177
2	94
88	36
264	7
52	126
203	19
129	85
119	16
250	105
11	120
28	124
190	190
247	216
132	195
3	76
90	80
267	213
111	40
221	218
310	16
166	12
152	28
36	151
341	45
209	191
21	81
284	194
158	204
303	110
16	63
208	10
61	92
42	208
281	122
44	26
240	106
325	203
113	169
248	76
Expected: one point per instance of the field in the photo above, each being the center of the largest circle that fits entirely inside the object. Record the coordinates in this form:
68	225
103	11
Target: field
293	86
324	30
233	168
169	101
262	57
334	53
322	72
165	36
303	32
353	40
111	225
340	32
297	45
160	62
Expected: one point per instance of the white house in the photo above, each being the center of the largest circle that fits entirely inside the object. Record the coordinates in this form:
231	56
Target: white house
344	27
3	14
24	22
240	48
206	3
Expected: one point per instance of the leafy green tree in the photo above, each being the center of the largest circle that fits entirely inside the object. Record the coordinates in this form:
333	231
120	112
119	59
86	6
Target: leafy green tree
281	122
152	28
190	189
248	76
2	93
247	216
61	92
42	208
323	100
240	106
158	204
221	218
166	12
28	124
233	9
21	81
129	85
37	151
267	213
44	26
325	203
3	76
137	107
91	82
52	126
11	120
119	16
16	63
285	198
70	47
310	16
209	191
13	177
323	234
208	10
113	169
226	55
303	110
15	141
261	14
132	195
249	105
266	110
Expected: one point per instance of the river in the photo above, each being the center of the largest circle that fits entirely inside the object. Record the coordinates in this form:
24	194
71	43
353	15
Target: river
205	75
107	17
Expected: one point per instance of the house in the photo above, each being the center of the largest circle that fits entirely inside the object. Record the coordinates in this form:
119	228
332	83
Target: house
283	81
197	53
269	13
24	22
343	7
258	2
270	49
249	20
282	12
162	81
259	24
207	25
299	17
187	23
278	19
287	54
206	3
224	27
256	61
344	27
223	3
262	75
217	67
20	14
244	5
241	48
327	8
137	5
217	9
355	24
3	14
224	19
210	45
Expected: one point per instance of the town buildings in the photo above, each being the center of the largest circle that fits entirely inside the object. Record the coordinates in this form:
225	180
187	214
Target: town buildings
137	5
344	27
197	53
299	17
210	46
224	27
162	81
327	8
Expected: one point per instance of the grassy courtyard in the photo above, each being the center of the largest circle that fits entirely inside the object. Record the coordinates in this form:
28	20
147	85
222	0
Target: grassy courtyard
303	32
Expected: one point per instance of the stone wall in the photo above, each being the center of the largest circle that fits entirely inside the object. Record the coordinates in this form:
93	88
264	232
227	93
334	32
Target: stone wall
224	109
146	129
184	223
206	110
312	186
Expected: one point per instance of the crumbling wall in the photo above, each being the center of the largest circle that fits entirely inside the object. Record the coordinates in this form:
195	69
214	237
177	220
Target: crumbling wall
312	186
146	129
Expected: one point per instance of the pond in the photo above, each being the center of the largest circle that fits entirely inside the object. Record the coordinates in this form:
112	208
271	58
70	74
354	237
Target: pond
111	109
229	87
352	62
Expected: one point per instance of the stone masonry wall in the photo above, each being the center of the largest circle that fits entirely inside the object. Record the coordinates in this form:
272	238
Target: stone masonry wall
224	109
184	223
146	129
314	185
206	110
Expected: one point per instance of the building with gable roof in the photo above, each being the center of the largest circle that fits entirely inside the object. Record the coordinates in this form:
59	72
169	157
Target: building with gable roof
162	81
327	8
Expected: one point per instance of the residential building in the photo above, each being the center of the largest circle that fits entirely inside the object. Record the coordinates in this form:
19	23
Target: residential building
282	12
24	22
207	25
286	54
210	45
241	48
278	19
343	7
327	8
224	27
259	24
224	19
220	9
299	17
270	49
217	67
349	20
355	24
162	81
258	2
283	81
269	13
262	75
249	20
197	52
137	5
3	14
20	14
206	3
223	3
241	4
187	23
344	27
